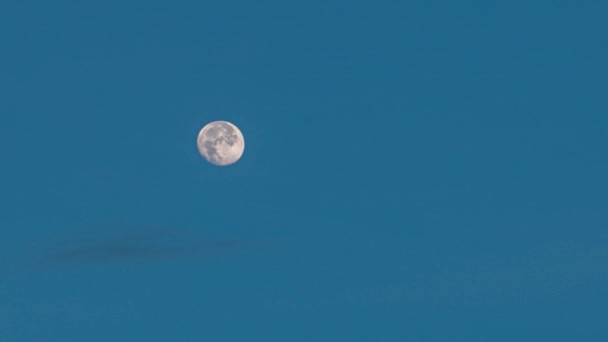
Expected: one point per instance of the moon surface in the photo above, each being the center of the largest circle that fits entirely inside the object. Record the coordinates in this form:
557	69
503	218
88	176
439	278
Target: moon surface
221	143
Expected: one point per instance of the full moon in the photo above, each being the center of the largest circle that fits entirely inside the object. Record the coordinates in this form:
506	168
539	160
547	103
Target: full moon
221	143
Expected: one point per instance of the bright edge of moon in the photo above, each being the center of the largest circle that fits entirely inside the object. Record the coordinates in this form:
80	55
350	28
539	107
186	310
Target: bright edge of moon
221	143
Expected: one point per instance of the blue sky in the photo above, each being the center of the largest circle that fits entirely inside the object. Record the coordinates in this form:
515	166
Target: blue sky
426	171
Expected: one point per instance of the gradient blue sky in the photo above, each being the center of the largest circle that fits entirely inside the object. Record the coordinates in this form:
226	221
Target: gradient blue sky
414	171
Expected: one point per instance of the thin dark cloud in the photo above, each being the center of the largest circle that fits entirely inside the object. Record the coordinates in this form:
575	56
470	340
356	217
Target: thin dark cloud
144	245
108	245
114	250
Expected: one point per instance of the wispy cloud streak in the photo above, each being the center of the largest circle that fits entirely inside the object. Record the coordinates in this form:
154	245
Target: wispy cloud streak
146	245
